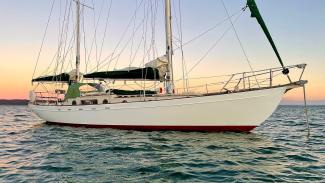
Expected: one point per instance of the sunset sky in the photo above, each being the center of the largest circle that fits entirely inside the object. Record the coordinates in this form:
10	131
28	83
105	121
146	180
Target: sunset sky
297	26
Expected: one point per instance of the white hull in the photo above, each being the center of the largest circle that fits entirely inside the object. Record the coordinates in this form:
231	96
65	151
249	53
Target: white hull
241	111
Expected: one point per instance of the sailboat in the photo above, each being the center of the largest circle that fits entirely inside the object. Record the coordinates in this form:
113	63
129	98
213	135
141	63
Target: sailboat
239	103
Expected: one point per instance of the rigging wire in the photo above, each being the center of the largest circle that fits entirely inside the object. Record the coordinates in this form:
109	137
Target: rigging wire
145	30
153	34
144	20
235	15
150	12
210	29
124	32
84	38
155	49
213	46
133	34
147	51
180	32
105	30
69	50
239	41
84	34
65	50
145	24
57	54
43	39
61	37
94	41
306	110
136	51
109	59
49	66
141	40
67	47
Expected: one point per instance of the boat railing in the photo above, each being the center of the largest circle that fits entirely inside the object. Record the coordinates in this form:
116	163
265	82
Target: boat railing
244	80
237	82
47	98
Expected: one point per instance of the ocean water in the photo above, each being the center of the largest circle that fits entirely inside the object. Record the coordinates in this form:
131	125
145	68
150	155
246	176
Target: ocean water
277	151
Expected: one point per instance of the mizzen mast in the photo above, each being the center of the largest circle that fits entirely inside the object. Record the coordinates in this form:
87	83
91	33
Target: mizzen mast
169	48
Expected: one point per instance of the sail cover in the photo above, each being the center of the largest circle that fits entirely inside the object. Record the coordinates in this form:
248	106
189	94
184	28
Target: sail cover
148	73
160	63
64	77
153	70
132	92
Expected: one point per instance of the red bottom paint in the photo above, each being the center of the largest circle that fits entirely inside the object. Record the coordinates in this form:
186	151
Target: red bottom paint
165	128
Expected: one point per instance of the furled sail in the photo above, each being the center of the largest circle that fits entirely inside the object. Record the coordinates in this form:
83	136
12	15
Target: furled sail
256	14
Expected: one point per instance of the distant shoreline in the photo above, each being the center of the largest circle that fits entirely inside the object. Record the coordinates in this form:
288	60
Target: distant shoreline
13	102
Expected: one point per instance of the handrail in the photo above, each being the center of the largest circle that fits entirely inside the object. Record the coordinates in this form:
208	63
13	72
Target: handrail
256	71
244	78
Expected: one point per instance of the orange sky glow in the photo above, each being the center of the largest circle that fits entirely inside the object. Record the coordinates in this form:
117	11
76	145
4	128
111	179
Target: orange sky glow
21	35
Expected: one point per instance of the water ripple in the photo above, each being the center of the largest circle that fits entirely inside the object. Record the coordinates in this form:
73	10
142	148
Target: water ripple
277	151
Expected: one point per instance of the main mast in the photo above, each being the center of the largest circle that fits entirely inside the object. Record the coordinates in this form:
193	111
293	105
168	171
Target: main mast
169	47
78	40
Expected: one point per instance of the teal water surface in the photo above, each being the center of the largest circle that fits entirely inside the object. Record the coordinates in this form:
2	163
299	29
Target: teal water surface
277	151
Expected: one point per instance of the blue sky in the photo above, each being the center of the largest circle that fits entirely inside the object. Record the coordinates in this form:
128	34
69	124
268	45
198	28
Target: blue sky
297	26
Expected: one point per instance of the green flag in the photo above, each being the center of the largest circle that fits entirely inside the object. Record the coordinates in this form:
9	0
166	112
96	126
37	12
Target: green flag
256	14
